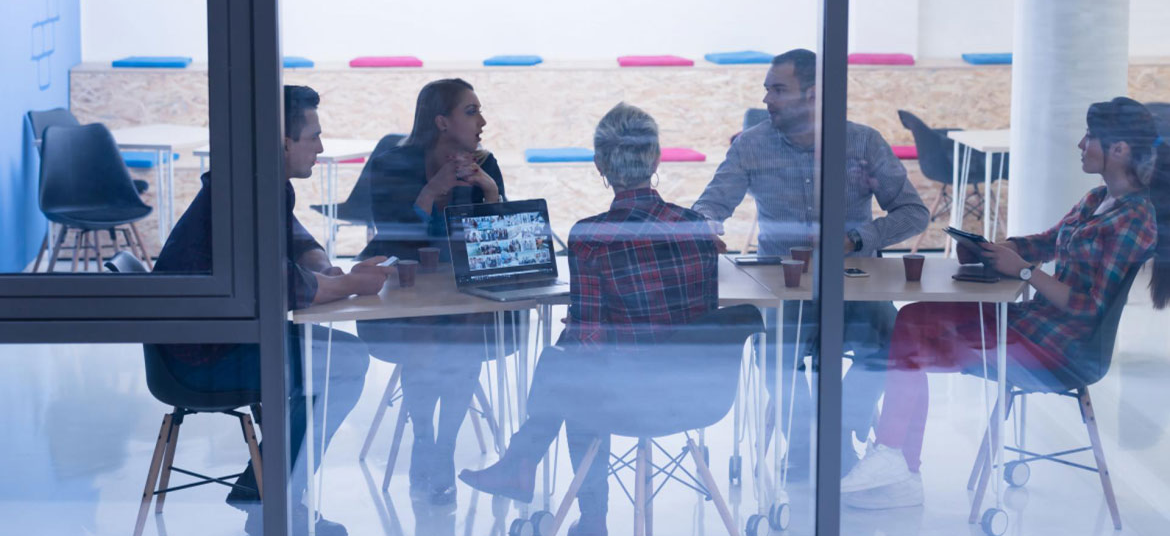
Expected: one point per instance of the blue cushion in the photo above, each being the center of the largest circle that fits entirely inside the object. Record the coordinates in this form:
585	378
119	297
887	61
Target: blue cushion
520	60
742	56
292	62
153	62
143	159
559	154
1000	58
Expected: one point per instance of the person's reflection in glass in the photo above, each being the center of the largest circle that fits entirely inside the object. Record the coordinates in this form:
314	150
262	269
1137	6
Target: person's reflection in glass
1109	233
438	165
636	271
312	280
774	162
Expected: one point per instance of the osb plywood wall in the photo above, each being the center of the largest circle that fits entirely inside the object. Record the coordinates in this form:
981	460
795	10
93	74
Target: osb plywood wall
547	106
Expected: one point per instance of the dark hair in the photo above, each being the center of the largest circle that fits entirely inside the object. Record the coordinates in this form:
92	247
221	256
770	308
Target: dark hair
804	65
1126	120
436	98
297	99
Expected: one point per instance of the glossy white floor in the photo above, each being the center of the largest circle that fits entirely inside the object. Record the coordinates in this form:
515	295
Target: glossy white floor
80	426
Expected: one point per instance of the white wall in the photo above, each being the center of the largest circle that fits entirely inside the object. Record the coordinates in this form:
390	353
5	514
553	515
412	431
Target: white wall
337	30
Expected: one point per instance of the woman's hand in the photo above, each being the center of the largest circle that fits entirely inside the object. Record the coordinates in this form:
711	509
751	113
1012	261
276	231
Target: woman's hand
471	173
1004	259
445	180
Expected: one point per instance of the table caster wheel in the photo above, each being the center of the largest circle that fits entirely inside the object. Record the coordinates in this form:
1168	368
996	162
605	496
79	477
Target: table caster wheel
779	516
1016	474
755	523
521	527
542	522
734	469
994	522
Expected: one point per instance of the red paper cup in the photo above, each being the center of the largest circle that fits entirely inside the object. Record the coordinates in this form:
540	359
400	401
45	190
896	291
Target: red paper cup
803	253
792	271
428	259
913	264
406	272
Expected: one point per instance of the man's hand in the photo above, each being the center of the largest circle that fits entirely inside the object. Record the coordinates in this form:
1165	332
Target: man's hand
849	245
1004	259
333	270
717	228
367	277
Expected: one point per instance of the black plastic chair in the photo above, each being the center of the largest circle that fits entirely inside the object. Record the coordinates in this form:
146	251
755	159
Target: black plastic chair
1088	366
936	159
356	210
170	391
754	116
688	383
1161	111
41	120
85	186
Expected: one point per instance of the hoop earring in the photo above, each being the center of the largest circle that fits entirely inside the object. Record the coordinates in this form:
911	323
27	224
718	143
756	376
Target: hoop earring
604	181
654	183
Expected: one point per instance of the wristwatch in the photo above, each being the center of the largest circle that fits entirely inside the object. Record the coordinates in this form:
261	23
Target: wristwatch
1026	273
855	237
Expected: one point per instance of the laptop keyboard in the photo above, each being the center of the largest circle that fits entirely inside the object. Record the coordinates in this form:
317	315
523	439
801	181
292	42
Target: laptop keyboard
522	286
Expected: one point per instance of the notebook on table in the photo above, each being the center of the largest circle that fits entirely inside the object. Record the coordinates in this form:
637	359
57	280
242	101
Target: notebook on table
504	251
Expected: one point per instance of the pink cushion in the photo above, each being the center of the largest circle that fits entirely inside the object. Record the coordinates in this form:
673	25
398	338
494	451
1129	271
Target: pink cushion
385	61
859	58
654	61
905	152
682	154
358	160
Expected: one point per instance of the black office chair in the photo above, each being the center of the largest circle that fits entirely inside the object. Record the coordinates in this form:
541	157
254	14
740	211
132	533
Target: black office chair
170	391
1161	111
1086	368
688	383
754	116
85	186
41	120
935	157
355	210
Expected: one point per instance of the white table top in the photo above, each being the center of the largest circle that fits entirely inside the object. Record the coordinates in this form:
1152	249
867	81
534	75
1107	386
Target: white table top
335	149
987	141
160	136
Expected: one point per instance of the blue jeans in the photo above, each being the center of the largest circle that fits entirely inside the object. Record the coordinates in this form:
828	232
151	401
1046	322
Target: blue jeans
240	370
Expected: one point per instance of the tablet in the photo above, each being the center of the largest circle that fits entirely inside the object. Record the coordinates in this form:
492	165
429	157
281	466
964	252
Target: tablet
969	241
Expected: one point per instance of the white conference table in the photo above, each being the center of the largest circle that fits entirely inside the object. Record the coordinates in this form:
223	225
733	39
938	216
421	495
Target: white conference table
336	151
887	282
990	143
163	140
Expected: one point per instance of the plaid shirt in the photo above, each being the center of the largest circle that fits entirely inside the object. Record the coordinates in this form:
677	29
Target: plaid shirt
639	269
1093	254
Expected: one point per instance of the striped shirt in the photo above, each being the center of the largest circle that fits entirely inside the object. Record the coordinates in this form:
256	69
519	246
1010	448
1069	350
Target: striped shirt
1093	254
781	177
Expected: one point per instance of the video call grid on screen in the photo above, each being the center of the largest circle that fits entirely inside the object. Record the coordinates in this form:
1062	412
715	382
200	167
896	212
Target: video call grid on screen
501	240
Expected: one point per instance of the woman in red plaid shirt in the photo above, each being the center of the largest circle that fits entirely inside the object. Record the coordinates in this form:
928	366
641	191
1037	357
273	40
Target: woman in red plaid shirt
1103	238
637	271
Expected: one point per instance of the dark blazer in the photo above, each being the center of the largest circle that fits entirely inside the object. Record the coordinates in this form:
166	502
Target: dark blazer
397	176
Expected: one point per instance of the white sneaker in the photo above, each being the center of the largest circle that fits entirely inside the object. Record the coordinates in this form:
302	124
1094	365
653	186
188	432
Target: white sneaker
881	466
904	494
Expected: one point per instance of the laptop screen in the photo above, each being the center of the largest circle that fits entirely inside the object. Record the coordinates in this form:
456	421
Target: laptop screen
501	242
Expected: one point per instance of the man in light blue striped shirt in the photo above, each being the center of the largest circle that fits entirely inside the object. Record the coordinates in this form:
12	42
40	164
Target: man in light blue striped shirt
774	162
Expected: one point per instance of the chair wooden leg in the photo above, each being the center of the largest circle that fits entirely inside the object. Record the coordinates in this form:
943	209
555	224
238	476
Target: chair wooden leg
141	246
169	460
395	444
574	486
253	451
980	460
56	248
933	208
712	487
387	399
77	245
989	460
44	248
1099	455
97	249
152	475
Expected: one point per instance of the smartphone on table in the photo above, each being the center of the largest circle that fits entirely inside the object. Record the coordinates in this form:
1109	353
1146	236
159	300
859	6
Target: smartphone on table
855	272
757	260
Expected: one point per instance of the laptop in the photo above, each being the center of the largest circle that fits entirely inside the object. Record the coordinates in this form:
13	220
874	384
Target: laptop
504	251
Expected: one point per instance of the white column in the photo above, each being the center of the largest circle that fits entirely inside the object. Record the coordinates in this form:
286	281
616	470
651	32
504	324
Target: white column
1067	54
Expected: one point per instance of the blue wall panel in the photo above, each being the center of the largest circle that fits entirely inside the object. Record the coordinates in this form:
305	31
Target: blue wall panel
40	40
